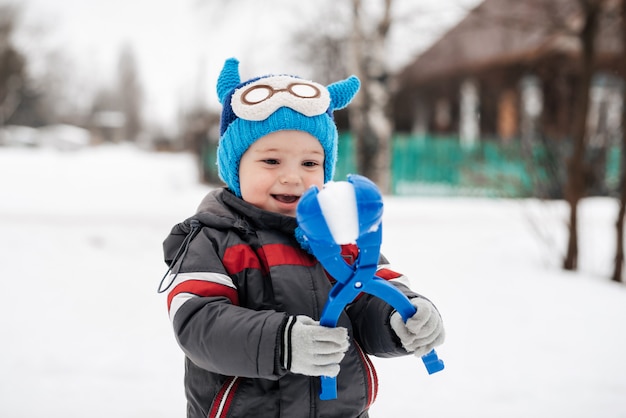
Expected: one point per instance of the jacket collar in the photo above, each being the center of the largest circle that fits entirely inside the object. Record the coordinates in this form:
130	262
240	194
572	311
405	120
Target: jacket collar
221	205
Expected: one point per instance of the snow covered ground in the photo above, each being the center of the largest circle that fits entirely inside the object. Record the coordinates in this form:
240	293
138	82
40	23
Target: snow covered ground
84	333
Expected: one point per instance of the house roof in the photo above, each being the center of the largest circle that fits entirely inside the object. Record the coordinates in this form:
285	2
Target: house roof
501	32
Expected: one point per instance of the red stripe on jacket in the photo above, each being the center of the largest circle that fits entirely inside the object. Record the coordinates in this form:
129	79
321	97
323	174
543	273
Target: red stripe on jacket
372	377
224	399
240	257
203	288
387	274
279	254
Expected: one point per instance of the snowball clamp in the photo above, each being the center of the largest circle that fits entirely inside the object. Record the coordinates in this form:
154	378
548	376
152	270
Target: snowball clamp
360	276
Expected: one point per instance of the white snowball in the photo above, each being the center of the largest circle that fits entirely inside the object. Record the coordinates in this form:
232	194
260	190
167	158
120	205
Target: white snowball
338	203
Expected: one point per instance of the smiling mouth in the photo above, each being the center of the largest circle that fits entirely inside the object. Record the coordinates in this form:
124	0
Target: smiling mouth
286	198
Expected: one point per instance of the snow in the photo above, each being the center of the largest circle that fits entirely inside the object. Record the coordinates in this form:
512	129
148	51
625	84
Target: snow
337	201
84	332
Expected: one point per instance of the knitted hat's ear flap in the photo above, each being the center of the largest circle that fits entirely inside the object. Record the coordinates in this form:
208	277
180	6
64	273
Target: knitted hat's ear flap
342	92
229	78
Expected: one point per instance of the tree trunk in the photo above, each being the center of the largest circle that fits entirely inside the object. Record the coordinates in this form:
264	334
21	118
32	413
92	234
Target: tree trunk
619	224
576	167
370	119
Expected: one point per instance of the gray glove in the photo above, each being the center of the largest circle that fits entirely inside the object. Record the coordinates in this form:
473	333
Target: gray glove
311	349
423	331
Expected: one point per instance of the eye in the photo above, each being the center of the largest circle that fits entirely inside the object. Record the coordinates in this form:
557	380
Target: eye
270	161
310	164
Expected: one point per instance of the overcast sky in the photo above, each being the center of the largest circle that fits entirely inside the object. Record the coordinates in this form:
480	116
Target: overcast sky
180	44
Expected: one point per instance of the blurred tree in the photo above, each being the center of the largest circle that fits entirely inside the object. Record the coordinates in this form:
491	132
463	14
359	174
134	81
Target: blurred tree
324	51
12	66
27	97
334	50
116	111
577	169
365	38
370	116
362	50
130	93
619	224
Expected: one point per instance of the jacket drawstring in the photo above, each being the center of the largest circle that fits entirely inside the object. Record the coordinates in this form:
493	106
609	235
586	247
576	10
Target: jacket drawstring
181	253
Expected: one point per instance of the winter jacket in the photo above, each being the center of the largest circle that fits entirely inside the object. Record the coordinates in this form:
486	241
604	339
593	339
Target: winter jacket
237	273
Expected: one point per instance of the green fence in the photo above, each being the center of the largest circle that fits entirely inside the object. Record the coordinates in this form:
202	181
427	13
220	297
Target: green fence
442	166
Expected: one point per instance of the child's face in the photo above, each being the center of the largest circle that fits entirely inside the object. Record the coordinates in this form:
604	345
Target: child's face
278	168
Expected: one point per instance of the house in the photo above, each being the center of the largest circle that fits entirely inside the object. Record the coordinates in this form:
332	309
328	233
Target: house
508	72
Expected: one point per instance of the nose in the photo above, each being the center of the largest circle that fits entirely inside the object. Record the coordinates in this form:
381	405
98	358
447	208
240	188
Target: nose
289	177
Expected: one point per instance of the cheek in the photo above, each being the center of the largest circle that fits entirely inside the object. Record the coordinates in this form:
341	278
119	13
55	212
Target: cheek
253	180
315	179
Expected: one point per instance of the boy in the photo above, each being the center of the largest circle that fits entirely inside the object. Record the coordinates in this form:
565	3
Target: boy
245	298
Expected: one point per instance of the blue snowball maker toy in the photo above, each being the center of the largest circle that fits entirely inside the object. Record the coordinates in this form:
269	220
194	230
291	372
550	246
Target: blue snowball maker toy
361	275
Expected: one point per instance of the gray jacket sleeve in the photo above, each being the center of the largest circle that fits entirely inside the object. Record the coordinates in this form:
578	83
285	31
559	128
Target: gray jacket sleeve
215	333
370	320
228	339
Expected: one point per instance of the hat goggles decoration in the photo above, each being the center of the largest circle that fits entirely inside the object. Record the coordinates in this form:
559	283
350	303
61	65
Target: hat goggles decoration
258	100
271	103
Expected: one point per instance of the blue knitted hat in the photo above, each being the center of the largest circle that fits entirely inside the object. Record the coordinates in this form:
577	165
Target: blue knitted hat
271	103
